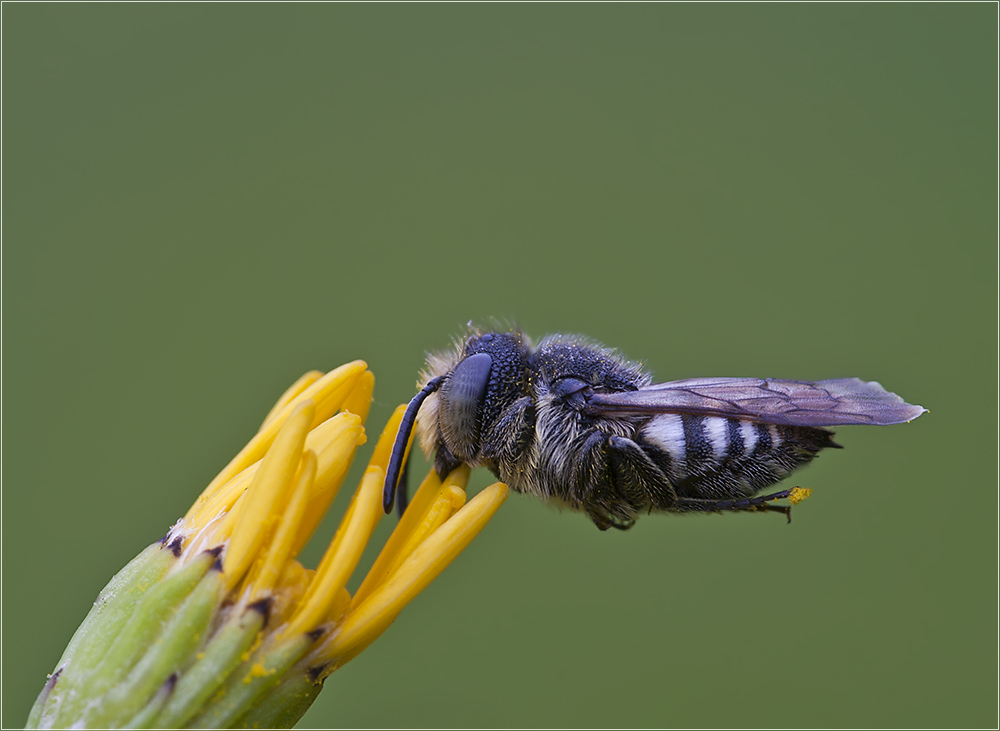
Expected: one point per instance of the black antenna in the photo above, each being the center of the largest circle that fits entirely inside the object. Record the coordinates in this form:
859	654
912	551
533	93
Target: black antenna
402	437
403	487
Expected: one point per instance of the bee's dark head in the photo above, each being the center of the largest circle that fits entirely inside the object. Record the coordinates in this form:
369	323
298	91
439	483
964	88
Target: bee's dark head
465	392
489	376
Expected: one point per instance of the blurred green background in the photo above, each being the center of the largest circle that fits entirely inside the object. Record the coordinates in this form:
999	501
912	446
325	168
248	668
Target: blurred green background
202	202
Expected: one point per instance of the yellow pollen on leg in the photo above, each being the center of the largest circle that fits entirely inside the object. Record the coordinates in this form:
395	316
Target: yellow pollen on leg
798	494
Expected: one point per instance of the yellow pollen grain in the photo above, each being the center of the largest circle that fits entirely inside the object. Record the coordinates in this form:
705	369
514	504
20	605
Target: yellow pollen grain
798	494
327	394
370	618
273	477
256	671
305	380
343	553
258	640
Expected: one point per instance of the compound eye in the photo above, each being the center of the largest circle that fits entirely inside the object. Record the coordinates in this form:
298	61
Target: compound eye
462	397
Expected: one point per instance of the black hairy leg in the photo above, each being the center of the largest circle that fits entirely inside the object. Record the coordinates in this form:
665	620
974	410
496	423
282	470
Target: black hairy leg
638	479
509	438
604	520
759	503
628	481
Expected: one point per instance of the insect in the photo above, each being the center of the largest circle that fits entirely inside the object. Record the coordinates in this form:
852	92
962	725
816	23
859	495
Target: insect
576	424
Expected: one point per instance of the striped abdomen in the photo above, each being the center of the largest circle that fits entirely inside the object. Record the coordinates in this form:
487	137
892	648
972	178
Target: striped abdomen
716	458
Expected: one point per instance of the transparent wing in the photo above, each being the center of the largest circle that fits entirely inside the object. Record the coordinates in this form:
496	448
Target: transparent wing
768	401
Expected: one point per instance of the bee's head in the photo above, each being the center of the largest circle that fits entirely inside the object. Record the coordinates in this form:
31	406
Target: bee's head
489	376
465	391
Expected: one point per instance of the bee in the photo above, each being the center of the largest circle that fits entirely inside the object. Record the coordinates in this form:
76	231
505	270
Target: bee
575	423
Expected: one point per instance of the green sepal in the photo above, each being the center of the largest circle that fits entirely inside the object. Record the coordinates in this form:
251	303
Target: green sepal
214	664
80	685
284	704
145	717
168	654
36	710
265	668
116	602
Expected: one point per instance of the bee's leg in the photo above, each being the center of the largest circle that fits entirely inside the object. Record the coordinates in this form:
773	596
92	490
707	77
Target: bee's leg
639	479
602	520
624	525
620	479
751	503
591	486
511	433
444	461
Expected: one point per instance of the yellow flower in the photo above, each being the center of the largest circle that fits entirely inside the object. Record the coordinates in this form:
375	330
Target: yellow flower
218	625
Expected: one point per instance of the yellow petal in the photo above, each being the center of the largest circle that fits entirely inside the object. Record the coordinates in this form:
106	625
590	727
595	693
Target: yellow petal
359	400
334	454
433	503
335	398
328	393
343	553
333	441
373	615
339	607
279	553
288	592
305	380
272	479
336	567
